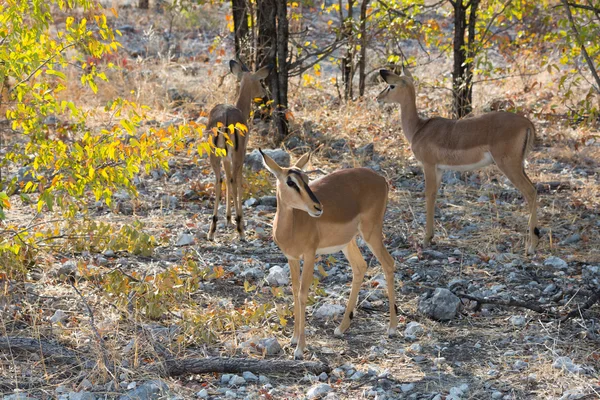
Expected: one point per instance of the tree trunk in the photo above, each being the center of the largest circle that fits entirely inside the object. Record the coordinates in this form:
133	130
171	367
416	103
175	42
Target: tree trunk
362	62
348	59
144	4
272	48
464	52
241	29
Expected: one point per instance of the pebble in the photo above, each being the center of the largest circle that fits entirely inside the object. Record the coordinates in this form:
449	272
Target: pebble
203	394
441	306
556	262
318	391
249	376
407	387
329	311
518	320
278	276
237	380
413	329
566	364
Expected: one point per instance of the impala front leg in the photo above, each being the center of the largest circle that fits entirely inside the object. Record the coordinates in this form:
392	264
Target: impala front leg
307	277
295	272
432	184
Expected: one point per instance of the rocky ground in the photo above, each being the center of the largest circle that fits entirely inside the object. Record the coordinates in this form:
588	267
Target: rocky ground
449	346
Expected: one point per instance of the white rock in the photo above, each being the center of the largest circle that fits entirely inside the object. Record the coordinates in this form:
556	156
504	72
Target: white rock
203	394
328	311
185	240
278	276
318	391
556	262
497	395
58	317
518	320
413	329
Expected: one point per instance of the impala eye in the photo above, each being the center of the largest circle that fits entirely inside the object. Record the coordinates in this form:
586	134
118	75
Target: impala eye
392	87
291	183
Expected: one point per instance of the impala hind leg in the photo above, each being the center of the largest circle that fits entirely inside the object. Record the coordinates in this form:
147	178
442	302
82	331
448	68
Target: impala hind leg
387	263
215	163
236	185
228	187
514	171
372	233
433	178
359	268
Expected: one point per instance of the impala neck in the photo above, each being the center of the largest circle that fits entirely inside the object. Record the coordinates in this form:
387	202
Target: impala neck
243	102
409	116
283	217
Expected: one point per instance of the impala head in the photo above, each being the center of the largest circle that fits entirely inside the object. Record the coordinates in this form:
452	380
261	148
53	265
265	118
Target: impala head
248	80
400	87
292	185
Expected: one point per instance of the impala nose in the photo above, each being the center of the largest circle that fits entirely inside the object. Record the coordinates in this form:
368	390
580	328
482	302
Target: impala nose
318	210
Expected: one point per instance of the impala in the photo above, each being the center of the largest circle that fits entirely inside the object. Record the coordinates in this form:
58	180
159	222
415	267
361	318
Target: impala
221	117
325	217
463	145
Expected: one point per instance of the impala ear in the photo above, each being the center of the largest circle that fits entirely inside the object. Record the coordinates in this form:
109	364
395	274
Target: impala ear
263	72
236	69
406	73
270	164
389	77
302	161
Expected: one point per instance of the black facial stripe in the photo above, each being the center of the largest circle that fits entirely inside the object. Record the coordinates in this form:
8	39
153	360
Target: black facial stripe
311	194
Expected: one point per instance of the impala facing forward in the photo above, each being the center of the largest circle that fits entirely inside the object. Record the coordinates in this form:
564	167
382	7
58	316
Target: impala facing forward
464	145
219	119
325	217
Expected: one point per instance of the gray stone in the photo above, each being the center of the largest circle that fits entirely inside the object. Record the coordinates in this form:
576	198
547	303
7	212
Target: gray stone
251	202
518	320
249	376
225	378
154	389
323	376
573	394
318	391
266	346
26	174
566	364
328	311
407	387
442	306
556	262
520	365
82	396
255	161
269	201
185	239
18	396
237	380
253	273
203	394
413	329
366	151
572	239
169	202
67	269
278	276
497	395
58	317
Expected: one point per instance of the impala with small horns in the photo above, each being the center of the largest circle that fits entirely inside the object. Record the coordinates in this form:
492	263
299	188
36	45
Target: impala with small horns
221	117
463	145
324	217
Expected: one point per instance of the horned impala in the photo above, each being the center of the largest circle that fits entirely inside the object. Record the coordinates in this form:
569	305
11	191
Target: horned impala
325	217
463	145
220	118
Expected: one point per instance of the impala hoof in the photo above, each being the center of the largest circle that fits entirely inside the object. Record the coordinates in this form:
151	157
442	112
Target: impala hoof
392	332
338	333
298	354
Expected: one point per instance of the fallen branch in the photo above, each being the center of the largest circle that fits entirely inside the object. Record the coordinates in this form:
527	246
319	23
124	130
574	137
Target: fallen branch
577	311
177	367
510	302
43	347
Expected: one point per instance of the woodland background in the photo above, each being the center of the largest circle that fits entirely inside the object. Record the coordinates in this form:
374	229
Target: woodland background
109	288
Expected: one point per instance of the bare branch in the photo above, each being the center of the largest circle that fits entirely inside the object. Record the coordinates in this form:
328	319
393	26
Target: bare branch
510	302
588	60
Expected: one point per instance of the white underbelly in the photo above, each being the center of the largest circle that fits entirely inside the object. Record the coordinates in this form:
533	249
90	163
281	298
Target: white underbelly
485	161
331	250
